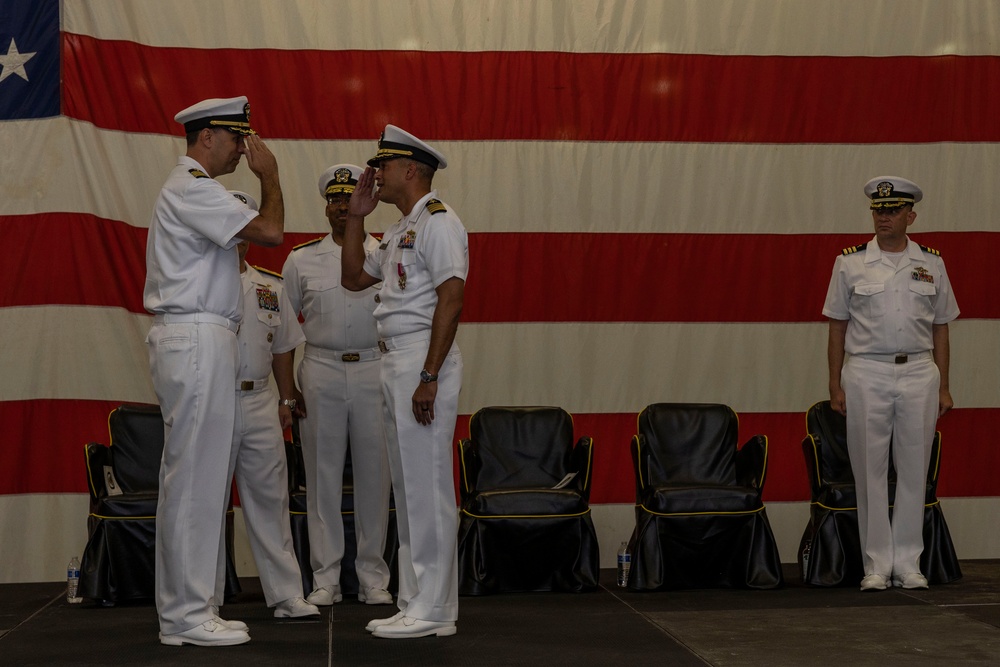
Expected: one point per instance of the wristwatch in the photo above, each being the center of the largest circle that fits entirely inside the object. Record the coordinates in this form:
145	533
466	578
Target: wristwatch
425	376
290	402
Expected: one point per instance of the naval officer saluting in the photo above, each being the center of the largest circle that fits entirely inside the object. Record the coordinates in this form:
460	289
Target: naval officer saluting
194	291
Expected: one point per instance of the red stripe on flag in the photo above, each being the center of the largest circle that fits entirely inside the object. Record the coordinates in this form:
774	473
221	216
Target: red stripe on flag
526	277
509	95
51	434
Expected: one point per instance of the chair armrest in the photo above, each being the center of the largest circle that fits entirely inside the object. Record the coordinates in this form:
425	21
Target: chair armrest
97	458
811	455
581	462
469	465
751	463
639	464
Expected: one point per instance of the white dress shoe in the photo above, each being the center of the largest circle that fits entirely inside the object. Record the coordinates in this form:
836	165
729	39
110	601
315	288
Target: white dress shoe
874	582
375	596
295	608
325	596
374	623
209	633
410	628
909	580
232	625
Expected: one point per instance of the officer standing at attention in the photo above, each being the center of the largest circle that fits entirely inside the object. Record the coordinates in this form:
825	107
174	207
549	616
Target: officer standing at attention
423	262
889	304
342	404
268	334
193	290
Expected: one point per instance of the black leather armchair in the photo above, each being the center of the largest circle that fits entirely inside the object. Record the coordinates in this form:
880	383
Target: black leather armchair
123	477
700	519
525	522
830	548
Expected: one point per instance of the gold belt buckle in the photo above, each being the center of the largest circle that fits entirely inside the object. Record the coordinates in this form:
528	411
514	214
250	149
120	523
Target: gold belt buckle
901	358
383	347
352	356
246	385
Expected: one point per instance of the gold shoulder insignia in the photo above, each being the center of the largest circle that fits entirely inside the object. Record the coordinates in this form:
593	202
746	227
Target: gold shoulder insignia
435	206
268	272
307	243
929	250
853	249
198	173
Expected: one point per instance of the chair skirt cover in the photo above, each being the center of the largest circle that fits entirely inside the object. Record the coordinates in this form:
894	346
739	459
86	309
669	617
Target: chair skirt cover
118	563
703	551
835	549
507	554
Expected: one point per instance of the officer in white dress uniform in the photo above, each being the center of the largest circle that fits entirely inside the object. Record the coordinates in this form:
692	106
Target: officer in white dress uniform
342	404
193	290
268	334
423	262
889	304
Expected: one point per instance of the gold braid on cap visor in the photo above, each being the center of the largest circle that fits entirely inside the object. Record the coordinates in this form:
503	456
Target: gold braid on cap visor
233	126
891	203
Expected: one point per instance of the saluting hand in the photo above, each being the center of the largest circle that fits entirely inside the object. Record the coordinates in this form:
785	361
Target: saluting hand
364	199
260	159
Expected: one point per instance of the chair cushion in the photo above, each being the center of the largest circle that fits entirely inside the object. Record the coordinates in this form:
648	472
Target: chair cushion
701	499
526	502
127	506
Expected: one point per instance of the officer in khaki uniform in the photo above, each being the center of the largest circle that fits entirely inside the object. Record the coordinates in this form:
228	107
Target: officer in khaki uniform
889	303
342	404
423	262
193	290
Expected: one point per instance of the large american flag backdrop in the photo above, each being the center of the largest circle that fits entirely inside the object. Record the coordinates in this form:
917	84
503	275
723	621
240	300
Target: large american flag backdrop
655	193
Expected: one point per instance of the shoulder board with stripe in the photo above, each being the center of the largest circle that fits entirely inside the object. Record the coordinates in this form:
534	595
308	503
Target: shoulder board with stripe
308	243
853	249
435	206
198	173
929	250
268	272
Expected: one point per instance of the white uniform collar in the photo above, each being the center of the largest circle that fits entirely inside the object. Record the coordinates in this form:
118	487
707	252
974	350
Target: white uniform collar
874	254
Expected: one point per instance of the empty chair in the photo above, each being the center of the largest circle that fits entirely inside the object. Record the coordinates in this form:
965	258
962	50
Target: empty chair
525	522
123	478
700	519
830	549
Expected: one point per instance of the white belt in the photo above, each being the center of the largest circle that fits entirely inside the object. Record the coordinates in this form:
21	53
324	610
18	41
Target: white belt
896	358
250	385
195	318
395	342
343	355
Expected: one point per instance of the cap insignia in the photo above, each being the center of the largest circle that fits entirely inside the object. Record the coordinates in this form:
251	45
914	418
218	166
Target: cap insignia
342	175
884	189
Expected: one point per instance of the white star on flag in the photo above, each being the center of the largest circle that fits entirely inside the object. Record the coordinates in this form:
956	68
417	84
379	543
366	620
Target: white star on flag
13	62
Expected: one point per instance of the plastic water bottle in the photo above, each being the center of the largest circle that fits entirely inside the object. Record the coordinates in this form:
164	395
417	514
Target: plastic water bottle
73	581
624	564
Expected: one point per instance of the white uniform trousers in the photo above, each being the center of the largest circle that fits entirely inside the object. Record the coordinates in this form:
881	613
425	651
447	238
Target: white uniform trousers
344	407
895	404
423	480
193	368
258	461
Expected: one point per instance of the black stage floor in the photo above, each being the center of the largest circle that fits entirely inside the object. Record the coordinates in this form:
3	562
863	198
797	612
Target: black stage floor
955	624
